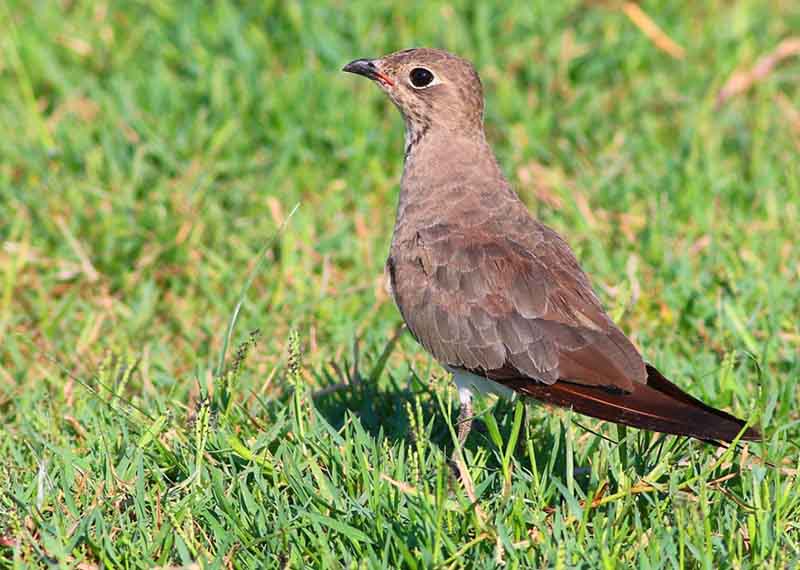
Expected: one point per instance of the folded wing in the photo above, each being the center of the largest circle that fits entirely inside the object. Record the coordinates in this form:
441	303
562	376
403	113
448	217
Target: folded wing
521	312
509	309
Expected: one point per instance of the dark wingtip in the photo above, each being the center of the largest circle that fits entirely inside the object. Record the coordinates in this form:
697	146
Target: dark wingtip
752	434
658	405
734	425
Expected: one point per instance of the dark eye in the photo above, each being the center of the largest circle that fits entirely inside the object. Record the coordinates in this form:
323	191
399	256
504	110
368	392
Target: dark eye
420	77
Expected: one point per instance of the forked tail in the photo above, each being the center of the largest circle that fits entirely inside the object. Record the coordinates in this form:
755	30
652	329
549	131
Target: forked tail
658	405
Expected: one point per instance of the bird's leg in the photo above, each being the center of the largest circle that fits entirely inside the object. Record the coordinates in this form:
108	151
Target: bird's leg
457	459
464	421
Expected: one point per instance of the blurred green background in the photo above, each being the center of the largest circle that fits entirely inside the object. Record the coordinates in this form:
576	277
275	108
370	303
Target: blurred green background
148	152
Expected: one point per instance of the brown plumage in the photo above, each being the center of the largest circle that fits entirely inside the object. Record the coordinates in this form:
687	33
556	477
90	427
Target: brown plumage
494	295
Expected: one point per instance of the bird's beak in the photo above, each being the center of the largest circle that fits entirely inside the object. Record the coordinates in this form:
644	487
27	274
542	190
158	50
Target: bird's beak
368	68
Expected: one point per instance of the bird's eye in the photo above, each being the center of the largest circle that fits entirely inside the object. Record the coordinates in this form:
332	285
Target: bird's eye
420	77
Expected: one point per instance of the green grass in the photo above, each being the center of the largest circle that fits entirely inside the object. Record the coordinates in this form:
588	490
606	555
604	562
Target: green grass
150	150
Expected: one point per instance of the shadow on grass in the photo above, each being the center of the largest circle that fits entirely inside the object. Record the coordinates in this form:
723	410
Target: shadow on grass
390	410
402	409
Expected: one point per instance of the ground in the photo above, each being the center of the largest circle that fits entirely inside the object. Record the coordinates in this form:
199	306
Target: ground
165	167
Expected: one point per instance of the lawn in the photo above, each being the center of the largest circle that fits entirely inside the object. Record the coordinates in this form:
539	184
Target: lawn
168	166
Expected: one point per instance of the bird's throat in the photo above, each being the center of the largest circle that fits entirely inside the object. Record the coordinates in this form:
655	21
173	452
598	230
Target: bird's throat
414	135
441	163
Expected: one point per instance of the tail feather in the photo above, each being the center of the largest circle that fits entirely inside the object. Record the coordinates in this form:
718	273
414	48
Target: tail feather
659	405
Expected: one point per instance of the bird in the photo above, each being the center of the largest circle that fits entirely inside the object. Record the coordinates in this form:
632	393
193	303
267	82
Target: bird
498	298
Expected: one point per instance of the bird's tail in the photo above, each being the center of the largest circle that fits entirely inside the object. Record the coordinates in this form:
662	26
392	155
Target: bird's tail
659	405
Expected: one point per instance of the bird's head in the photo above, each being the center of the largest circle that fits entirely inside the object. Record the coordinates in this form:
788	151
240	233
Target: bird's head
431	87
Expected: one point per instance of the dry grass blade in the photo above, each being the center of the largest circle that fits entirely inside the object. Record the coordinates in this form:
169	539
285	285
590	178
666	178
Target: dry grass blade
469	486
652	30
412	491
741	81
792	116
80	251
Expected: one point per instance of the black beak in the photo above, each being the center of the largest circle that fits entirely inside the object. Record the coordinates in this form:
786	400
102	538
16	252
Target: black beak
363	67
367	68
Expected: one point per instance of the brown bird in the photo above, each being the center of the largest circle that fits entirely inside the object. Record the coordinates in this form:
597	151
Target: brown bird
497	297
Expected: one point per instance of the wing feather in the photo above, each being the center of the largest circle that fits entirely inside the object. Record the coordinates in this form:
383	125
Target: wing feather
489	304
